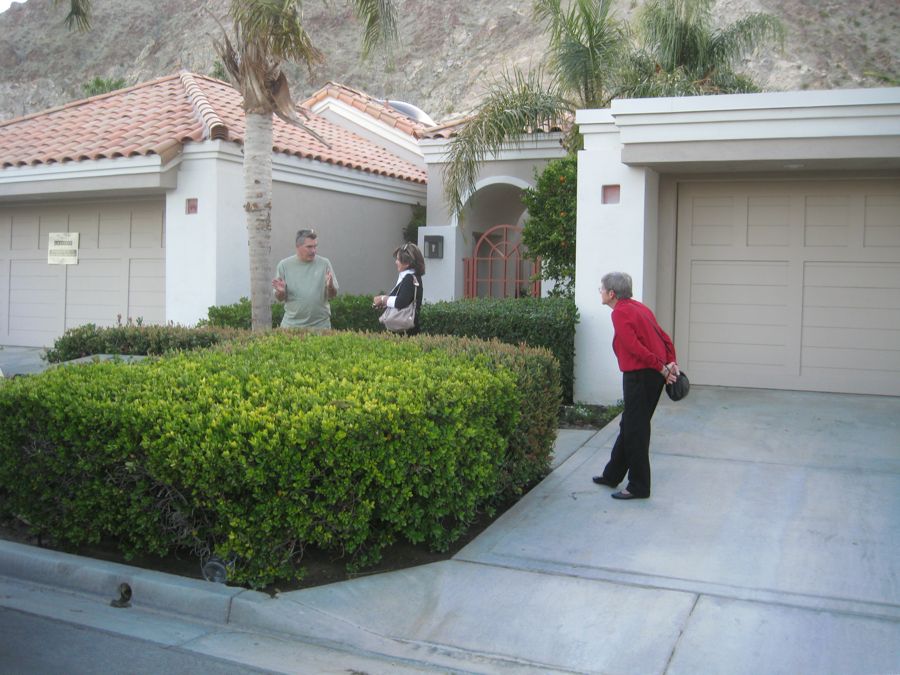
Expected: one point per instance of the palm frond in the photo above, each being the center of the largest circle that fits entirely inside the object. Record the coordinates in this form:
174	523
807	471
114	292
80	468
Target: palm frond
744	35
519	103
380	24
79	15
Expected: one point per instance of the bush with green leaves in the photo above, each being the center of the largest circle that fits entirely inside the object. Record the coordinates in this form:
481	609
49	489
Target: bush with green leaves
348	312
538	322
549	231
255	450
90	339
537	374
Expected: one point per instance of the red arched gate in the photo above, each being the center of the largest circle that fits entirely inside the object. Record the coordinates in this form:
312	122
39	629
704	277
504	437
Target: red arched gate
499	268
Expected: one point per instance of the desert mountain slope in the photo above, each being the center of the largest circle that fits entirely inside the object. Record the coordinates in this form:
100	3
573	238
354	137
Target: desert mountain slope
449	49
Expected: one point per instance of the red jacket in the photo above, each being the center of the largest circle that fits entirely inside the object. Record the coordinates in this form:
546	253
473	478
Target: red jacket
638	341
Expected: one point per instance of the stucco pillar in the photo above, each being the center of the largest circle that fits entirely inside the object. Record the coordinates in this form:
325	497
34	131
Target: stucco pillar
615	232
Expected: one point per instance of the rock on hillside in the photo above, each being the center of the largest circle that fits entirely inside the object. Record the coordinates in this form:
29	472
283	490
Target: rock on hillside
450	49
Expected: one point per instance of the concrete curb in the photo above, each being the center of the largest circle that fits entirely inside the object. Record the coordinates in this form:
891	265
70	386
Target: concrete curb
156	590
238	609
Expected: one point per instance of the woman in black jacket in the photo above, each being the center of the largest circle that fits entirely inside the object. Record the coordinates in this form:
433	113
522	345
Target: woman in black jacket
411	267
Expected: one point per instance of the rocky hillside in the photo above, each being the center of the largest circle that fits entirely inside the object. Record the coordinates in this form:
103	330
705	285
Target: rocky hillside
450	48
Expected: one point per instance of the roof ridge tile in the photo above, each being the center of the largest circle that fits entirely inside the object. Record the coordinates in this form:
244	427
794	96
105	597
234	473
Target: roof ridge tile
215	128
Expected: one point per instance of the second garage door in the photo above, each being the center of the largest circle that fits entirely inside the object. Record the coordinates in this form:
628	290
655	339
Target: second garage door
790	285
120	272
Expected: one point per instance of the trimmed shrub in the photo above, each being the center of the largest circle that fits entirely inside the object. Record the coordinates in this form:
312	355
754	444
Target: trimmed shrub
348	312
537	376
238	315
90	339
538	322
252	451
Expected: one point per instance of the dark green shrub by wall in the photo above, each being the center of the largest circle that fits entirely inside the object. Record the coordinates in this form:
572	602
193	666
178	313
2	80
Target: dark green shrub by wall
538	322
348	312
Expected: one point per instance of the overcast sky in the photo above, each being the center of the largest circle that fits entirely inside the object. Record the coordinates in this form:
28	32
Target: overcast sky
4	4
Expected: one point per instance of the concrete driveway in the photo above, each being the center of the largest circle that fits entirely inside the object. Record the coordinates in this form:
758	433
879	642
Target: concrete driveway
771	544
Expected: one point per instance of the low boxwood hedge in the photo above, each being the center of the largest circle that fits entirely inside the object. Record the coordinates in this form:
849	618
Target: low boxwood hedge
254	450
538	322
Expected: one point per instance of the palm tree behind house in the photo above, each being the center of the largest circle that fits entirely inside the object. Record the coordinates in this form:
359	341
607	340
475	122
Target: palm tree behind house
673	50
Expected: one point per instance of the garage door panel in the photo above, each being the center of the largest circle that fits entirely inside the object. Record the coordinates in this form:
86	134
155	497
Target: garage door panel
851	338
25	229
87	223
769	220
730	353
828	220
852	360
740	272
853	275
147	228
739	294
831	319
37	309
34	276
114	228
713	222
738	334
842	296
882	223
5	229
763	315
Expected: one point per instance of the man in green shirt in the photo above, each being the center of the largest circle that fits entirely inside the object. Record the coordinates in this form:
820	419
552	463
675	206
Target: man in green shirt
305	283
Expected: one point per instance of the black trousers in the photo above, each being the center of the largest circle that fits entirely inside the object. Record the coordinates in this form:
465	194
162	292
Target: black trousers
631	453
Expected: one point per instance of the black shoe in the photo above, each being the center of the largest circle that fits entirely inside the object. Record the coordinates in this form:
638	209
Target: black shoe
602	480
624	494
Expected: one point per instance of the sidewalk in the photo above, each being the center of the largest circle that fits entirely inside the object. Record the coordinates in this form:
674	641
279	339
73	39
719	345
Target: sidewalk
771	544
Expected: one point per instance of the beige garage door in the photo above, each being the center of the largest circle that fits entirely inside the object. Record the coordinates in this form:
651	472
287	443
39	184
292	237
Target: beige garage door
120	270
790	285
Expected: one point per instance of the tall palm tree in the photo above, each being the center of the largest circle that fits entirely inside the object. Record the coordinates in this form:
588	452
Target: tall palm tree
267	34
681	53
585	45
678	52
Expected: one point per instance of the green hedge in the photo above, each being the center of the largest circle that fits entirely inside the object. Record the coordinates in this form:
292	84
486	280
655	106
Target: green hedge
348	312
539	322
90	339
254	450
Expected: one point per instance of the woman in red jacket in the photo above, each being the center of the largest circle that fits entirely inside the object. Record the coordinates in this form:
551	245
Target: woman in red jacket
646	358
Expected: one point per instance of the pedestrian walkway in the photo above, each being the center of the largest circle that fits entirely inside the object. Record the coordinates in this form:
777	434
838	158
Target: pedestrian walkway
771	543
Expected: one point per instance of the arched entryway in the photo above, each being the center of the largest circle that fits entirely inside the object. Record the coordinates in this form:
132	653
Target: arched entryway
499	267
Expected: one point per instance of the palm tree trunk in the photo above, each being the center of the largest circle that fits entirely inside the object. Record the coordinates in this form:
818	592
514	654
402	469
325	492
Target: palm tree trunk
258	205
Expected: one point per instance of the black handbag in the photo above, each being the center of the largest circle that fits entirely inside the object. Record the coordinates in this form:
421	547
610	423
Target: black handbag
679	388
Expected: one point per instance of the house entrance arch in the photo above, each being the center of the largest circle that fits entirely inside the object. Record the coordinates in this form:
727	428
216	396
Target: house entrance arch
499	267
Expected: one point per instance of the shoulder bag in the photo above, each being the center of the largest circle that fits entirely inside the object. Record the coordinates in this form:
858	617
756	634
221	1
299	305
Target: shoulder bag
399	320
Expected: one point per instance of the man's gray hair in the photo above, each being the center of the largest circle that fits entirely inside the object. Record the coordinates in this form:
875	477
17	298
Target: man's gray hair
304	234
619	283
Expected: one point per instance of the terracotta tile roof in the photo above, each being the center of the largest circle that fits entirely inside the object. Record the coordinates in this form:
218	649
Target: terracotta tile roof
451	128
369	105
160	116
